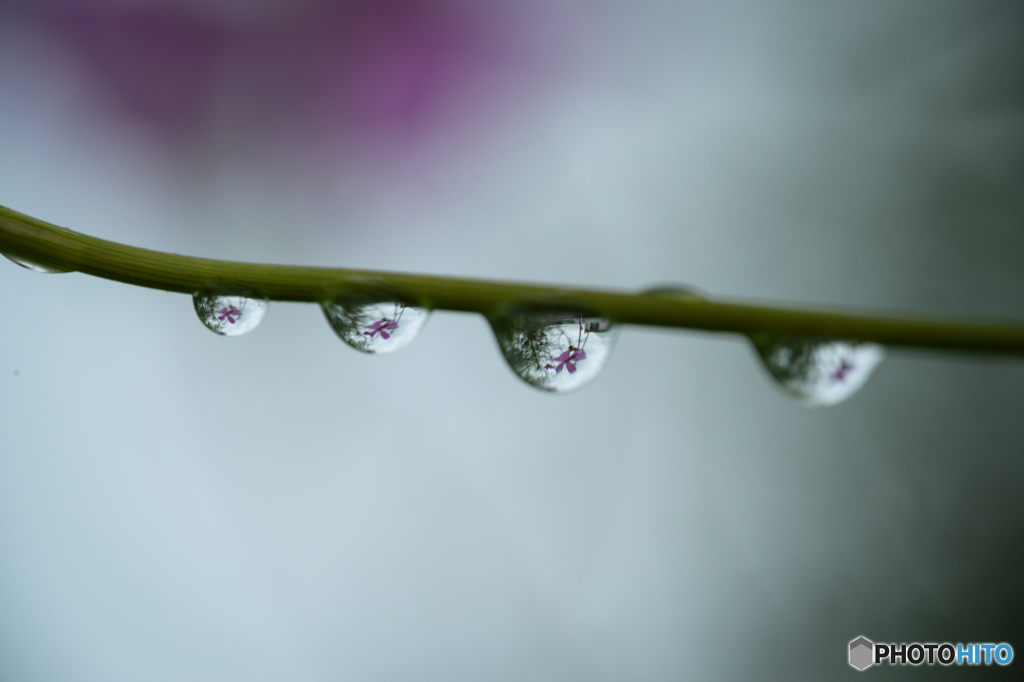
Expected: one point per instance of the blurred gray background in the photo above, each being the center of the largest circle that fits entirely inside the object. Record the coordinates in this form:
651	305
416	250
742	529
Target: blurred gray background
175	505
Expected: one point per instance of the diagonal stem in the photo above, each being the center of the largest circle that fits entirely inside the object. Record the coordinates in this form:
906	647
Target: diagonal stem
39	241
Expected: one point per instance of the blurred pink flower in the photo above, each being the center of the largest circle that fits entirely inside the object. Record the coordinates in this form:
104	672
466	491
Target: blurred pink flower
391	67
842	370
157	61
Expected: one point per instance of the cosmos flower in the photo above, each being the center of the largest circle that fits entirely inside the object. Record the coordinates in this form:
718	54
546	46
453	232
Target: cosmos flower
567	360
382	327
842	370
229	313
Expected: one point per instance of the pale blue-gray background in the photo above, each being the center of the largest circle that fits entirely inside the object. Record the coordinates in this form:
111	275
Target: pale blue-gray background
174	505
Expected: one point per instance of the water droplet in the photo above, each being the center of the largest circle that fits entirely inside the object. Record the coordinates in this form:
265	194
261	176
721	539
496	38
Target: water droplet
555	352
675	290
30	264
818	371
229	315
375	327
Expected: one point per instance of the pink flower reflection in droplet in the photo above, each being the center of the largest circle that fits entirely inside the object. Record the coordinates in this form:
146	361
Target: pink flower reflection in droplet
567	360
840	373
382	327
229	313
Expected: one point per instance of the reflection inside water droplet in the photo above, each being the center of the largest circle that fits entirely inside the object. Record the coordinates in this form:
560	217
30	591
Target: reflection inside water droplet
29	264
554	352
229	315
376	327
818	371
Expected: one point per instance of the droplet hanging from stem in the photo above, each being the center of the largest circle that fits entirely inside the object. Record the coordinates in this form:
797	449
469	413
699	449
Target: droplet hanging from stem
375	327
32	265
817	371
229	315
554	352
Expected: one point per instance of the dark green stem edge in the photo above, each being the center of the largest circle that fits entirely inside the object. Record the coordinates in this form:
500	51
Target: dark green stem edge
22	236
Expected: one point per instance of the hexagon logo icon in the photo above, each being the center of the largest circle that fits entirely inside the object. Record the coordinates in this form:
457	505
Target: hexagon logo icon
861	653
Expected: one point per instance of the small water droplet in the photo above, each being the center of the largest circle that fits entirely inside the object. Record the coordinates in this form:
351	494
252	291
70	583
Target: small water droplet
555	352
229	315
818	371
29	264
674	290
375	327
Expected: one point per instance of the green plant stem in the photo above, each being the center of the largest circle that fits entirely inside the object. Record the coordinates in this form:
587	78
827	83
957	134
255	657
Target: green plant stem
40	242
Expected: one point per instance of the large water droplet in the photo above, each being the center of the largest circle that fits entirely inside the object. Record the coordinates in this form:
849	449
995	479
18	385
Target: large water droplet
375	327
554	352
818	371
29	264
229	315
